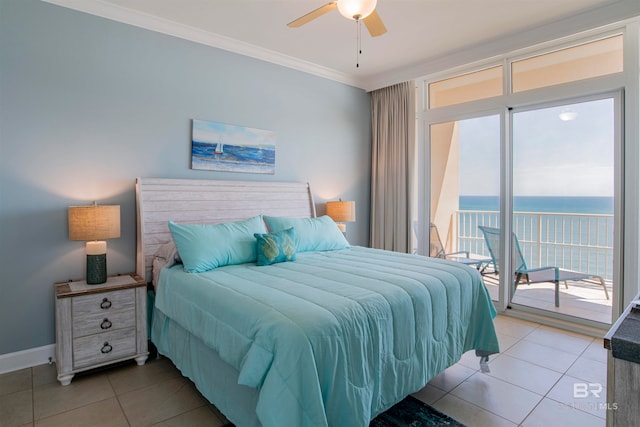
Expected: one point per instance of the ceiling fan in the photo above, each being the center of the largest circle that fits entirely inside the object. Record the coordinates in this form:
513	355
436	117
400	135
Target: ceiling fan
357	10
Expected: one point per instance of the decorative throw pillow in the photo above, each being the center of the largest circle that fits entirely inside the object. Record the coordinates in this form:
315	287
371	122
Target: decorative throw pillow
205	247
312	234
275	247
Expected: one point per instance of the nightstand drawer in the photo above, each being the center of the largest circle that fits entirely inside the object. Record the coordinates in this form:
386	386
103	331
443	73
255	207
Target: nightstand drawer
103	302
100	348
89	324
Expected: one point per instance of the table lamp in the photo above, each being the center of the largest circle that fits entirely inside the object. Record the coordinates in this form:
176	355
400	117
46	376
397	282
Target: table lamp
342	212
94	224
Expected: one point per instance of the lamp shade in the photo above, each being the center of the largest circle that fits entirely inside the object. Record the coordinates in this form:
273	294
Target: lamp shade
96	222
342	211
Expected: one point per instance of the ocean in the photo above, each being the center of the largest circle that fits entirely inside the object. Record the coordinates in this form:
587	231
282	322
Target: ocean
233	158
580	239
584	205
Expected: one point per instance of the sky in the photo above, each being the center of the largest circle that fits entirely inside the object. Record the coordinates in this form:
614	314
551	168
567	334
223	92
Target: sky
213	132
551	157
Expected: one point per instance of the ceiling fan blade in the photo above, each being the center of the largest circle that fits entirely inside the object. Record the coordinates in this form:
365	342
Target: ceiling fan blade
313	14
374	24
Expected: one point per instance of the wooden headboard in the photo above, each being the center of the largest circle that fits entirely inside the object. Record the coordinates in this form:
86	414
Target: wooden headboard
193	201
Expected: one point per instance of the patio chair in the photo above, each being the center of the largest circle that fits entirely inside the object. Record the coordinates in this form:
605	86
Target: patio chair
436	250
533	275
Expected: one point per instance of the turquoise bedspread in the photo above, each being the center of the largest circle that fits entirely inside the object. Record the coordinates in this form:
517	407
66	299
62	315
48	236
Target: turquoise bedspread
337	337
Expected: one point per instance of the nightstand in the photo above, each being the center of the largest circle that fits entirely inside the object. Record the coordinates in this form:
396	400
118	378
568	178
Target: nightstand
97	325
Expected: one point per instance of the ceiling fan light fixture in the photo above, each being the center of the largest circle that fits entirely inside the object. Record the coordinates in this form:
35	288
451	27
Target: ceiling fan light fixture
356	9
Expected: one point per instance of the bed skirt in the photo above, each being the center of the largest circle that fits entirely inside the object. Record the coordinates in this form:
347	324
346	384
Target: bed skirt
216	380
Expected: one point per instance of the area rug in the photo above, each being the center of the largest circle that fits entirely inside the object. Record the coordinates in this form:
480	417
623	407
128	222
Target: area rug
409	413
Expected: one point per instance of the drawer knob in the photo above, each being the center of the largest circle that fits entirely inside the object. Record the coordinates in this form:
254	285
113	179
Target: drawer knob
106	324
106	348
105	303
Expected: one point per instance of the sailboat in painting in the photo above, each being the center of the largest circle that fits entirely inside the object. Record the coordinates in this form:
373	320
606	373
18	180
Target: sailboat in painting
219	147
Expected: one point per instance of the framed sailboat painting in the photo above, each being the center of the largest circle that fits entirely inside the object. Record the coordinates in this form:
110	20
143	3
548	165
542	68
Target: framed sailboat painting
231	148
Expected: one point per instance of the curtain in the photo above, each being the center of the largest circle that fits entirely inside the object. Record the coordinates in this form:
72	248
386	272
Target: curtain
392	166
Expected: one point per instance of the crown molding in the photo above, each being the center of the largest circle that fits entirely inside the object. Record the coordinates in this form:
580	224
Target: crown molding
614	12
135	18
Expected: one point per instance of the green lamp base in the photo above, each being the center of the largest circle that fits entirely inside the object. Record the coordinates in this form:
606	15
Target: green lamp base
96	269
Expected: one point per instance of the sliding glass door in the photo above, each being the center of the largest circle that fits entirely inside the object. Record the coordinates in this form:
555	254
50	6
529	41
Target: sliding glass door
563	194
465	191
560	179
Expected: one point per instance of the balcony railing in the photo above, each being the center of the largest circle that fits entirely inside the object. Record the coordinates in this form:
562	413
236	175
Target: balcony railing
579	242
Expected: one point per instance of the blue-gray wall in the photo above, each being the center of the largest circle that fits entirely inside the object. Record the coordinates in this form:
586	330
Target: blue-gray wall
87	105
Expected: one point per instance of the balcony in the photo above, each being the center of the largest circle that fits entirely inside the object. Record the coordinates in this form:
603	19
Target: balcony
579	242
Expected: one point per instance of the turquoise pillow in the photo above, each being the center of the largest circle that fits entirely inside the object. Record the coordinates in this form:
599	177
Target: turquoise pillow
311	234
205	247
275	247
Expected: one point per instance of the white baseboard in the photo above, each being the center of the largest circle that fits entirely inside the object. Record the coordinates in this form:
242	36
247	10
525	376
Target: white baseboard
27	358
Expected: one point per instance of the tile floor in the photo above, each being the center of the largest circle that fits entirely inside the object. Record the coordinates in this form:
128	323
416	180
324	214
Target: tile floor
531	383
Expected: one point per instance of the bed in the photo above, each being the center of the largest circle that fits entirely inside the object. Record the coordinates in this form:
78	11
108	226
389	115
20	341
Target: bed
330	338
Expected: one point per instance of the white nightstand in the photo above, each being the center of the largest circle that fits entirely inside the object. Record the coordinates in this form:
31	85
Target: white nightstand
100	324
